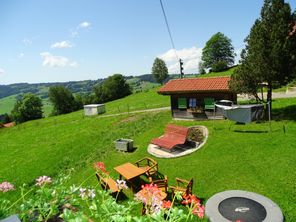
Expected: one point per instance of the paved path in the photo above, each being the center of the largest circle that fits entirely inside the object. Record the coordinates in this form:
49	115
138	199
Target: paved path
275	95
139	111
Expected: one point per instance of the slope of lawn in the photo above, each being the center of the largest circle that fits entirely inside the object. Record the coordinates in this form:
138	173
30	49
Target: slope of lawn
246	157
223	73
138	101
6	104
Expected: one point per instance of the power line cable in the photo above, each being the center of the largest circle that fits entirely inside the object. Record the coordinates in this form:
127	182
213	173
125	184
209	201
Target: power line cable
168	27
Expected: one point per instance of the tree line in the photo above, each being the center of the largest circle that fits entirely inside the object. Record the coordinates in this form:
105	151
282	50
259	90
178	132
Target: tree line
268	59
29	106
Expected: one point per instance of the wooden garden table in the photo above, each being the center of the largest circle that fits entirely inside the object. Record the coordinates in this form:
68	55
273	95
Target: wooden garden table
129	171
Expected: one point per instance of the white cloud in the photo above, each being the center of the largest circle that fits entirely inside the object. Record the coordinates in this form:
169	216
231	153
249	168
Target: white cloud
84	25
1	71
27	41
190	56
61	45
74	33
21	55
56	61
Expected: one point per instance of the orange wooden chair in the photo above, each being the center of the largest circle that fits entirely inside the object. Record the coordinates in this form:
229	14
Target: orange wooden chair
149	165
162	184
184	186
107	183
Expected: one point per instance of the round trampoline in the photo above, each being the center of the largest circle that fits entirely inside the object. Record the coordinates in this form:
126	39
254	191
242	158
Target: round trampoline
237	205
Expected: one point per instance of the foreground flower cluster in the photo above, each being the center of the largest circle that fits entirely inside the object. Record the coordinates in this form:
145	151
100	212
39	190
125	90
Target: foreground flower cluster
43	180
6	186
52	199
194	205
151	197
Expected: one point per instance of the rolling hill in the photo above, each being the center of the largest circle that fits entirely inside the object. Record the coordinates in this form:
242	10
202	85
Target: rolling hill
247	157
10	93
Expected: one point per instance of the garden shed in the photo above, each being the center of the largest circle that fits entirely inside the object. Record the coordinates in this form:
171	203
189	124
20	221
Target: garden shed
94	109
194	98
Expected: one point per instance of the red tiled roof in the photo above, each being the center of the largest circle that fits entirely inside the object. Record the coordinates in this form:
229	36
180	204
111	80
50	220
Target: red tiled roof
11	124
211	84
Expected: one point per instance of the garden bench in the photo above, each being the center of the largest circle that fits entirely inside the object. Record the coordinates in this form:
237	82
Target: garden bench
173	135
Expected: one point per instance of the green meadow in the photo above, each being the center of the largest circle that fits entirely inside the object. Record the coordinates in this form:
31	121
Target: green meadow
227	72
7	103
257	157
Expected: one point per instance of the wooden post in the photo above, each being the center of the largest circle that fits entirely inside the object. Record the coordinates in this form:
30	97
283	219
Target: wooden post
269	116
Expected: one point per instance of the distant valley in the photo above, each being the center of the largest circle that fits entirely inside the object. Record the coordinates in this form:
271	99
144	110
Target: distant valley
10	93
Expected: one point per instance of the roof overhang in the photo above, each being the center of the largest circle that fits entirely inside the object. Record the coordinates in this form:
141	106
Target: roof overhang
192	92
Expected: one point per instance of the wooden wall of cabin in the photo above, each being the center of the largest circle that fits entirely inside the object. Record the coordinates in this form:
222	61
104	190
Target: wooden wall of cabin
200	98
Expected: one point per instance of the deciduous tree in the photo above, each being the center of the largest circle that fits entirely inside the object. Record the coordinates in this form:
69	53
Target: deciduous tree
218	54
114	87
62	100
28	107
159	70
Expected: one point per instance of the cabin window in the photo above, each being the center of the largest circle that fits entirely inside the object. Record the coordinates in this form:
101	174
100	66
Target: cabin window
182	103
192	103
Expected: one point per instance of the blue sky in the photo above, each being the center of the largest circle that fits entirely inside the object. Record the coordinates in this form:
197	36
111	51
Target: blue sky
63	40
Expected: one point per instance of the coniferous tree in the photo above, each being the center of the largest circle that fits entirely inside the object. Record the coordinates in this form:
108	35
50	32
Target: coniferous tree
269	55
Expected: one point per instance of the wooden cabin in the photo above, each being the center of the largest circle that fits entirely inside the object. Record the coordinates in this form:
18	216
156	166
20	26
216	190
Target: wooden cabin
194	98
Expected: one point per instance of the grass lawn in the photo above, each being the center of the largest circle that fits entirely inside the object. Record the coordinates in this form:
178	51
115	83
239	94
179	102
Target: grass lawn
223	73
246	157
138	101
6	104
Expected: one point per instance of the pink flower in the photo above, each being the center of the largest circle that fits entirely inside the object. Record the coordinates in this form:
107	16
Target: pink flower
167	204
148	192
100	166
190	199
151	197
199	210
43	180
6	186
